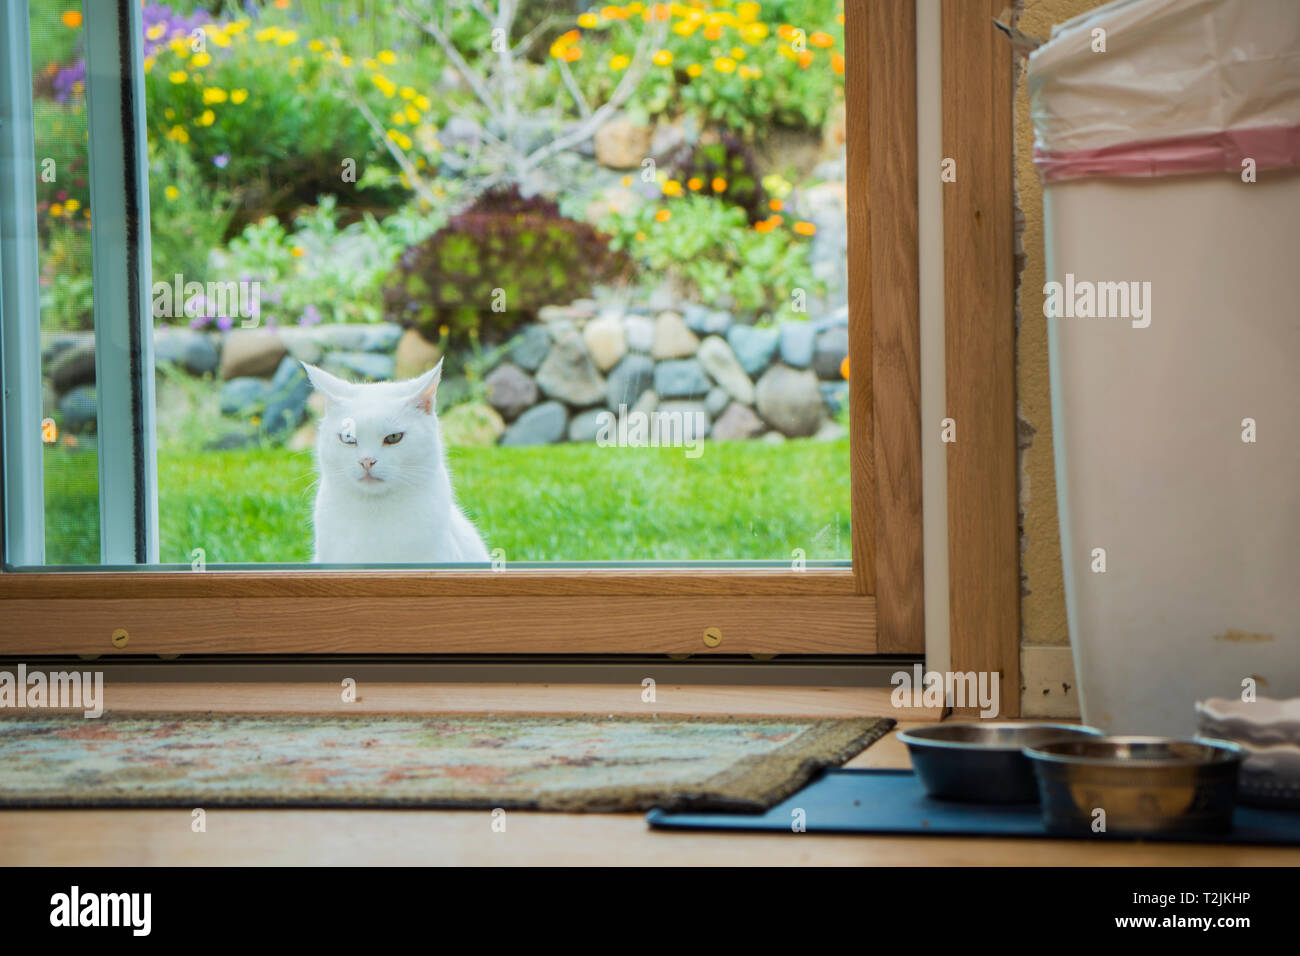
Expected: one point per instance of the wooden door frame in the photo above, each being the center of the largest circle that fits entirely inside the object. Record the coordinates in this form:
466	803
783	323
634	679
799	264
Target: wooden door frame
875	607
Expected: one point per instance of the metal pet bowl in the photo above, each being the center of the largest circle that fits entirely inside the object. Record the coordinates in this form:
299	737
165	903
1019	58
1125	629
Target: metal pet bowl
982	762
1146	785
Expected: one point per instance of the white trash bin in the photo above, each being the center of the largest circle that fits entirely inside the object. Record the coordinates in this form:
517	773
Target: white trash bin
1155	401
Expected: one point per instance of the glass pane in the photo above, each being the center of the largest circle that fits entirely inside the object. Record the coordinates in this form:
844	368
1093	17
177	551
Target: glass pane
67	323
621	229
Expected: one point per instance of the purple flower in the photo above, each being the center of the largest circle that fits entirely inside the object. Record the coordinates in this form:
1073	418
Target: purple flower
224	322
221	160
310	316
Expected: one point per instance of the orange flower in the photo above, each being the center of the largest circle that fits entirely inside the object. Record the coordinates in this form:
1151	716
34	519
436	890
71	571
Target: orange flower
572	54
805	59
713	33
663	215
764	225
805	228
776	220
837	63
844	367
822	40
719	184
775	205
695	184
71	18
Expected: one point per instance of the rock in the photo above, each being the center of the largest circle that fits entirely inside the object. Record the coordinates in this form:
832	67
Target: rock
630	378
672	338
695	420
415	355
381	337
243	397
472	425
568	373
302	346
58	343
647	403
737	423
304	439
251	352
662	297
790	401
797	344
573	313
77	410
622	144
681	378
835	395
530	347
606	341
510	390
754	348
186	349
830	431
716	401
236	438
286	400
541	425
839	317
724	368
828	355
74	366
349	338
704	321
772	438
586	425
369	365
639	333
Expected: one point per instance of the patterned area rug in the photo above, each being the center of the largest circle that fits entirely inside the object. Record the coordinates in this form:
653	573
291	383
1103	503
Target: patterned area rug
514	761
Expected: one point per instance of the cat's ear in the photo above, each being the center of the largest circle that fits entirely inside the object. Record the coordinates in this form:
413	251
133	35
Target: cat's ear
425	389
331	386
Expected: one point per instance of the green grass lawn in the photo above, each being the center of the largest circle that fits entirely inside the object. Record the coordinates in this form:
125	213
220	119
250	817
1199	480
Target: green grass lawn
581	502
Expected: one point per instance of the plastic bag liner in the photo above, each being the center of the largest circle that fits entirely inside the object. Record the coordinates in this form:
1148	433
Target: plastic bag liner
1183	86
1173	325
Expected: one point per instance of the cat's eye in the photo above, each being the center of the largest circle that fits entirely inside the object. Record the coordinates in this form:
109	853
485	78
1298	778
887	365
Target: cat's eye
347	438
394	438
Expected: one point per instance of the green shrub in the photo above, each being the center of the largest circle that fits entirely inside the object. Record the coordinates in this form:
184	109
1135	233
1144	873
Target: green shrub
711	253
723	167
495	265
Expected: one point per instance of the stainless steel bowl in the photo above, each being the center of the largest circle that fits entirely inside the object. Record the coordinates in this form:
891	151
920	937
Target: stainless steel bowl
982	762
1145	785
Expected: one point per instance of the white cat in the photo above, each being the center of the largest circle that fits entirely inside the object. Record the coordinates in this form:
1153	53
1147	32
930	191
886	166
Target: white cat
385	494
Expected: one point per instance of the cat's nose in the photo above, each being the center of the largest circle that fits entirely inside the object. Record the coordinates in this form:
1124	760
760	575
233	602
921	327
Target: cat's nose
367	463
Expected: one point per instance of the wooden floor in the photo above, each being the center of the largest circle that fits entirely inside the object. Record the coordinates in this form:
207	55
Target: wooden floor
424	837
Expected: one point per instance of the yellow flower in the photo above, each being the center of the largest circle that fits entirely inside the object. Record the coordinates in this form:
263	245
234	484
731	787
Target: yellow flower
345	61
619	62
169	113
171	192
56	210
747	12
148	64
406	93
298	252
626	180
370	63
663	215
400	138
287	37
754	33
663	58
387	57
684	28
207	118
694	70
219	38
672	188
315	46
737	53
266	33
237	26
421	101
588	21
201	59
295	63
724	64
215	94
156	31
640	236
412	114
386	86
178	134
178	76
399	117
238	96
72	205
745	72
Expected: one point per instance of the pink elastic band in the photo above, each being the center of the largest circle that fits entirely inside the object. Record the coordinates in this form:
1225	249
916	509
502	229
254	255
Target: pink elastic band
1271	147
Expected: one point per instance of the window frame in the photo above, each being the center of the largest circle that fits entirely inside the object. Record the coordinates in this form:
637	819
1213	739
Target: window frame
873	608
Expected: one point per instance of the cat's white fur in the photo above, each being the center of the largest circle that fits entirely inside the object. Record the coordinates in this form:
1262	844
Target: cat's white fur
383	503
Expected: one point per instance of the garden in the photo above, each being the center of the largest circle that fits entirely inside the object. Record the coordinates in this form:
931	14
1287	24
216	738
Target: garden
581	211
